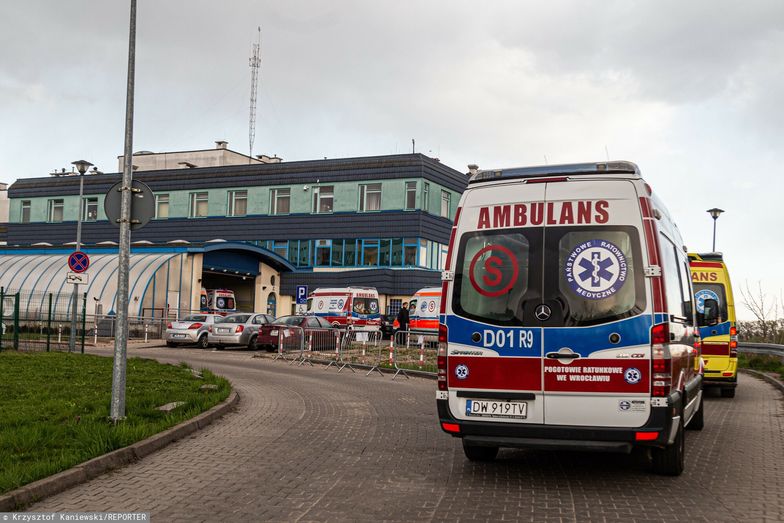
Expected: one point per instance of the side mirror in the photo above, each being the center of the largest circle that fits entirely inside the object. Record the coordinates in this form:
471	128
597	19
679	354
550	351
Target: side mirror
711	311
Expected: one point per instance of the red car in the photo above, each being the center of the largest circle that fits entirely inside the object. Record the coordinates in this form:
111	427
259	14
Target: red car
316	329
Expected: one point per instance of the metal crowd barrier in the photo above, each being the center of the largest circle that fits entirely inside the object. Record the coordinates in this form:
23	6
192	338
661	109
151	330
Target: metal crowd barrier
406	351
318	343
412	350
361	348
291	341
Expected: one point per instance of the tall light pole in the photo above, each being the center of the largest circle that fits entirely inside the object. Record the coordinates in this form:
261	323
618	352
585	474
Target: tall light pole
81	166
117	406
715	213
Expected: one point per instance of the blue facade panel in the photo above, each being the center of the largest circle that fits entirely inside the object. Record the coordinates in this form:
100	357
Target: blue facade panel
388	224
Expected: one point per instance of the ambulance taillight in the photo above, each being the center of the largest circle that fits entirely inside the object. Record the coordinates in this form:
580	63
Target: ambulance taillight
661	362
733	342
442	349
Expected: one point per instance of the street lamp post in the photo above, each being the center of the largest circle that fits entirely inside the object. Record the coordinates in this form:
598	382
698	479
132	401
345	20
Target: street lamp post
81	166
715	213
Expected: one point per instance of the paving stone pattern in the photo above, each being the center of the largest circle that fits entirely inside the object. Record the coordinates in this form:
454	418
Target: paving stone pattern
308	444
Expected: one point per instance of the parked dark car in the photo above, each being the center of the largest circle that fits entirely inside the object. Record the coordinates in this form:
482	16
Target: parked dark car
316	328
387	325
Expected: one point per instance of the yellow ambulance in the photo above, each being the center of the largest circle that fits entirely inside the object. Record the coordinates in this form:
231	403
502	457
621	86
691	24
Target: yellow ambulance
716	321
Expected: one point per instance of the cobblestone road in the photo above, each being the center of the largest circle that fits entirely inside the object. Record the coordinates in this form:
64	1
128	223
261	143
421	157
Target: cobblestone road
307	444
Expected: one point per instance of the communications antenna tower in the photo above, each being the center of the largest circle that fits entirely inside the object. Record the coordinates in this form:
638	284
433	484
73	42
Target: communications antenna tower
255	63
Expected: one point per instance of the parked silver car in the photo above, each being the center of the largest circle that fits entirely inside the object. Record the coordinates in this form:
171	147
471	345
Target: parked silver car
190	329
237	329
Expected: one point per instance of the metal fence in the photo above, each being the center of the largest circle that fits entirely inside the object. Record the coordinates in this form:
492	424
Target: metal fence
406	352
44	322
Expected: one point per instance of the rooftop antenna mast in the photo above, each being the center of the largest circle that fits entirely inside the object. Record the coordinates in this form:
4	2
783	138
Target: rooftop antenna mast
255	63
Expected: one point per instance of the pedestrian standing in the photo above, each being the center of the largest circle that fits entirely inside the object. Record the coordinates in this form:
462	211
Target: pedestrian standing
402	318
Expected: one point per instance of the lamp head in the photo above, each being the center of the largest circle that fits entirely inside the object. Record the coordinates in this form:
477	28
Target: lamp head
715	212
82	165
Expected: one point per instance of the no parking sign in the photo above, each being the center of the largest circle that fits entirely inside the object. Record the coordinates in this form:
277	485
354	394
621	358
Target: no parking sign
78	261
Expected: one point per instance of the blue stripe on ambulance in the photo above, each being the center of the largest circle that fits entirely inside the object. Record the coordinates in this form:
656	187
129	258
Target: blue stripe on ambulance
526	341
722	329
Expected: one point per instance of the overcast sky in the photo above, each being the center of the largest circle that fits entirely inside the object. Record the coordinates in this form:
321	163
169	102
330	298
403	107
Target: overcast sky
691	91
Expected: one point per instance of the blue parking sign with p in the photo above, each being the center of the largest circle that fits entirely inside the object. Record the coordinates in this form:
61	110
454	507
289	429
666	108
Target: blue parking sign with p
302	294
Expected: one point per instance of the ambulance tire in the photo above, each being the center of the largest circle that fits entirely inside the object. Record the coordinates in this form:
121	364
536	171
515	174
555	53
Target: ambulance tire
477	453
728	392
670	460
698	420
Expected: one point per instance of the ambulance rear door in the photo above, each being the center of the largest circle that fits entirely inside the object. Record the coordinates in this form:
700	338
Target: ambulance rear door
494	365
596	332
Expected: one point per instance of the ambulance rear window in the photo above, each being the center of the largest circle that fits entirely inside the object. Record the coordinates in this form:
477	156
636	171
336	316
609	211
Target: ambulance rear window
703	291
599	273
493	276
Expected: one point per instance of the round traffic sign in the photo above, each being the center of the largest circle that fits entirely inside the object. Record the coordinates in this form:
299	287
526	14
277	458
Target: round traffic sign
142	204
78	261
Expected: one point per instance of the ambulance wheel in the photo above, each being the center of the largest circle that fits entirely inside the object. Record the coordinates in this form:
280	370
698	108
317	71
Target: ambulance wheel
477	453
728	393
698	420
669	461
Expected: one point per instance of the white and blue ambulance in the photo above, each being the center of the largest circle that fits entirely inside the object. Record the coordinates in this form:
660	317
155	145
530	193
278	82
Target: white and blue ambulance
567	319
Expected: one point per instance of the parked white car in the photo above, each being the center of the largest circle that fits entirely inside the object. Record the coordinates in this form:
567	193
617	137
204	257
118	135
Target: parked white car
237	329
191	329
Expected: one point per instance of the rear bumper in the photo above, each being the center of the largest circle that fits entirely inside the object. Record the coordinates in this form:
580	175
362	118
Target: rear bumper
729	382
607	439
182	337
227	339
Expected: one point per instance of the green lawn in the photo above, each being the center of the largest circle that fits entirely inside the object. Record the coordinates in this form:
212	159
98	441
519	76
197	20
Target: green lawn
54	409
761	362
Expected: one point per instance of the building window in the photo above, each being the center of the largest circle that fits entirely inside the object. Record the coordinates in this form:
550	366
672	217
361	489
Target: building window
384	253
410	251
395	304
350	253
25	218
161	206
280	199
55	211
323	198
370	197
426	197
337	253
238	203
370	253
411	188
90	209
198	205
281	248
323	253
446	203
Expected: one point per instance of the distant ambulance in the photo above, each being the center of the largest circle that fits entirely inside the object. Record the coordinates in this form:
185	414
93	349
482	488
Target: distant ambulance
221	301
424	308
716	320
354	308
567	319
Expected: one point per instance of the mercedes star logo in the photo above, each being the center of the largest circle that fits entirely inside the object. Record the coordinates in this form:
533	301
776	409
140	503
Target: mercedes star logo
542	312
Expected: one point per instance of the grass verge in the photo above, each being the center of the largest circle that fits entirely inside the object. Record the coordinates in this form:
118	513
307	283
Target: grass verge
54	409
762	362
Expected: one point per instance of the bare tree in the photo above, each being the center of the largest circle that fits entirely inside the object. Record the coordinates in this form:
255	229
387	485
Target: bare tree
766	313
